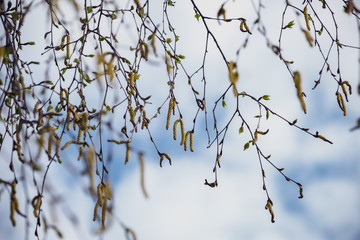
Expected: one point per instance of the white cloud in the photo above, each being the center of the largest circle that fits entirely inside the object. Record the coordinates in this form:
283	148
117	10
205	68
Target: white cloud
180	207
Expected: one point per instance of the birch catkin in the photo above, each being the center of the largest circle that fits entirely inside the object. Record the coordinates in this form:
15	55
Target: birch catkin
68	120
36	202
68	46
297	82
57	148
191	141
127	155
341	102
18	143
174	129
14	204
142	178
171	106
307	18
268	206
50	143
81	151
185	139
182	128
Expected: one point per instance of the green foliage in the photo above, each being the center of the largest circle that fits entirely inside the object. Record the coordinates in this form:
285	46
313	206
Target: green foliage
289	25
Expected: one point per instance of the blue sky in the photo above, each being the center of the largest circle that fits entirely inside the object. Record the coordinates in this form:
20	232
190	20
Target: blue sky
180	206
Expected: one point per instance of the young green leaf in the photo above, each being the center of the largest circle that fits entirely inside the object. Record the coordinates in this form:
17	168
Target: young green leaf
266	97
246	146
197	16
241	129
289	25
223	103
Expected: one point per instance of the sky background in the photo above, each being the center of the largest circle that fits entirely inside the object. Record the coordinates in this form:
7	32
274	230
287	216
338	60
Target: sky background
179	205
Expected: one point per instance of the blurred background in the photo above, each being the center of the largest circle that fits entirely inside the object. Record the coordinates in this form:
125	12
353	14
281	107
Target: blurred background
179	205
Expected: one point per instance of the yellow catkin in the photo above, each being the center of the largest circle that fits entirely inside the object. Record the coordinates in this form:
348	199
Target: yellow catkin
81	151
41	120
161	159
100	193
84	123
308	37
191	141
182	128
95	211
221	12
301	191
168	65
247	27
62	44
144	50
61	95
14	203
297	82
67	144
307	18
107	196
18	143
242	26
350	7
76	118
50	143
12	213
74	125
132	81
344	91
341	102
36	202
142	178
118	142
36	107
255	137
174	129
153	43
268	206
144	119
132	114
57	148
110	69
68	120
79	135
68	46
233	76
137	2
185	140
171	106
127	155
349	86
103	213
167	157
